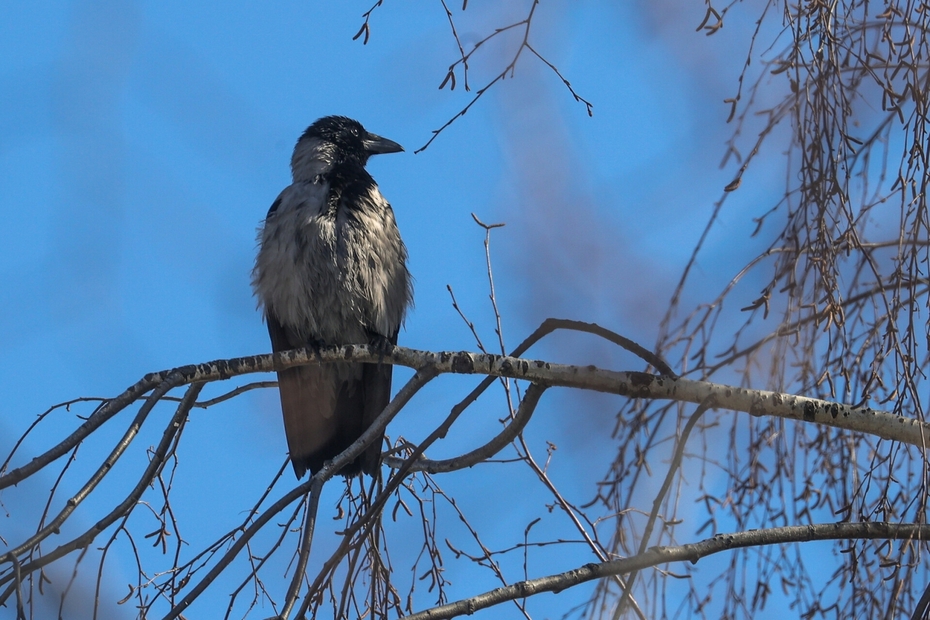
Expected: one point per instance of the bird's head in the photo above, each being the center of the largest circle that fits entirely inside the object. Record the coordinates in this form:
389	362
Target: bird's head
333	140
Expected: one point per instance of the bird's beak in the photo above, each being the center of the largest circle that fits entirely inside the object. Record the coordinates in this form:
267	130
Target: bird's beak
376	145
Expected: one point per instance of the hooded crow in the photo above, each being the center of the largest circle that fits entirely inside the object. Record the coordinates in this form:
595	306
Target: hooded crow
331	270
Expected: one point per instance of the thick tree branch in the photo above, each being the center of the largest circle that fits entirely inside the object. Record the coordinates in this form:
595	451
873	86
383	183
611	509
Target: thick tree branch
632	384
429	365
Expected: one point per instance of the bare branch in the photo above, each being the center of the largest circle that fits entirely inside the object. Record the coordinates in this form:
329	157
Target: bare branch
526	25
488	450
155	464
663	555
103	413
305	542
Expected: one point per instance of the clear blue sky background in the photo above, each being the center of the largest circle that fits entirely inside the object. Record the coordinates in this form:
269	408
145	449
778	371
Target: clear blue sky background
141	144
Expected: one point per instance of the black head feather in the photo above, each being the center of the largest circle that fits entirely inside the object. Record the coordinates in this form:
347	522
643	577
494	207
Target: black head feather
349	141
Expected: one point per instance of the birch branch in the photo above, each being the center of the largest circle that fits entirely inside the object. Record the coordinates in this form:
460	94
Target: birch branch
629	383
656	556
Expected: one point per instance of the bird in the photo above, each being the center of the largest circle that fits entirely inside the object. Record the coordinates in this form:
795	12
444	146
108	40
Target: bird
331	269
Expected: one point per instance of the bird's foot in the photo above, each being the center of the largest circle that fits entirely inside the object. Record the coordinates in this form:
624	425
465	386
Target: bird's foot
381	345
316	346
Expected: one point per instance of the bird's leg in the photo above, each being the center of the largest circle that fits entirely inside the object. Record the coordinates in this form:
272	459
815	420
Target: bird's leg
316	345
381	344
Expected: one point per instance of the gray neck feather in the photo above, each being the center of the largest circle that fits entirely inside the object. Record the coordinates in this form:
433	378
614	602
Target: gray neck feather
312	157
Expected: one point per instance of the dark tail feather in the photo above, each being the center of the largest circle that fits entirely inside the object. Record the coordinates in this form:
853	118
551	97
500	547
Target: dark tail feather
377	381
326	408
310	422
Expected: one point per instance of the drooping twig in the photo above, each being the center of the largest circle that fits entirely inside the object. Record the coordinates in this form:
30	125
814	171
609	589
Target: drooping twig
423	376
41	417
660	497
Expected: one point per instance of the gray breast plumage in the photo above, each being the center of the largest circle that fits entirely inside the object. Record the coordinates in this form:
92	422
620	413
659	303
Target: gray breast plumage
332	273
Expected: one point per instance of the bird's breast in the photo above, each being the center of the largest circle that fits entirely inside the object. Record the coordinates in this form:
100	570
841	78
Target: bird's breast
332	274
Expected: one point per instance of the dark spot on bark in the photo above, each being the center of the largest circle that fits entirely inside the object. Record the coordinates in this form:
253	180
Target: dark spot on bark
591	367
641	379
640	383
757	408
728	393
810	411
777	399
506	366
444	357
834	410
462	363
350	351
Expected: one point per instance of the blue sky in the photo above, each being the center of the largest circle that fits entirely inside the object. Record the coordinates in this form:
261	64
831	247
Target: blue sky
141	144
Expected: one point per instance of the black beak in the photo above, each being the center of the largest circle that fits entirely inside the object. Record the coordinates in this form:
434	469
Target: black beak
376	145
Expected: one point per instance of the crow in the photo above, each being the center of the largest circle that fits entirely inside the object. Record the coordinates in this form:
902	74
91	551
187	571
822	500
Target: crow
332	270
